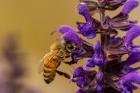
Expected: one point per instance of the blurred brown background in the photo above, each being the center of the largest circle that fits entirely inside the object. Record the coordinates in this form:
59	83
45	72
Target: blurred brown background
32	21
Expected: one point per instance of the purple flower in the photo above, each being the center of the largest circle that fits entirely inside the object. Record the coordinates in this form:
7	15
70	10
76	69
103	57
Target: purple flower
75	56
98	57
83	10
79	77
130	77
130	36
90	63
99	76
98	48
69	34
129	6
99	80
86	29
133	58
126	82
79	71
99	87
115	42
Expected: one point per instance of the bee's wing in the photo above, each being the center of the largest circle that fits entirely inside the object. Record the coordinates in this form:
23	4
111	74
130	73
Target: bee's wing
47	58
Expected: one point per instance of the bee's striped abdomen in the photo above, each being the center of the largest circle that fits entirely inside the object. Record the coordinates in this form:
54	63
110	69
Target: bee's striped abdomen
50	66
49	74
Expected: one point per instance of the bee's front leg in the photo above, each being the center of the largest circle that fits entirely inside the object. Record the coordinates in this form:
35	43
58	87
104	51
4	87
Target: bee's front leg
63	74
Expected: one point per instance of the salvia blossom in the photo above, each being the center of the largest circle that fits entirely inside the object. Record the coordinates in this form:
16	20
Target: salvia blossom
69	34
133	58
129	6
83	10
113	74
130	36
99	79
84	79
79	73
126	82
99	76
98	57
87	28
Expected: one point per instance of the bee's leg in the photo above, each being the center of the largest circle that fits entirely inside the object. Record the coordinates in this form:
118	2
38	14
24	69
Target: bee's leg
63	74
73	61
69	63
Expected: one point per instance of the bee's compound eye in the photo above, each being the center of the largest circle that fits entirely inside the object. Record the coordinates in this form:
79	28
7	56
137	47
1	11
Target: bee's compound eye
69	46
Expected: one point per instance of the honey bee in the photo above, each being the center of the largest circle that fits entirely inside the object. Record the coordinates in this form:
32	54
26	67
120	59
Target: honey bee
52	60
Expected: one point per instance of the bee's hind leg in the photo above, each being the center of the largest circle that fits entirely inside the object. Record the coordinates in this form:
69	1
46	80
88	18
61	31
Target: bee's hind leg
63	74
69	63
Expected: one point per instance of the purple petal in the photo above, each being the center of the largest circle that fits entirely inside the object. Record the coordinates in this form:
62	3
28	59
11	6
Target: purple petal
79	83
115	42
79	71
132	77
95	61
98	48
126	82
99	87
129	6
130	69
98	60
69	34
83	10
87	29
131	86
98	57
133	58
79	76
75	55
131	35
65	28
99	76
90	63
